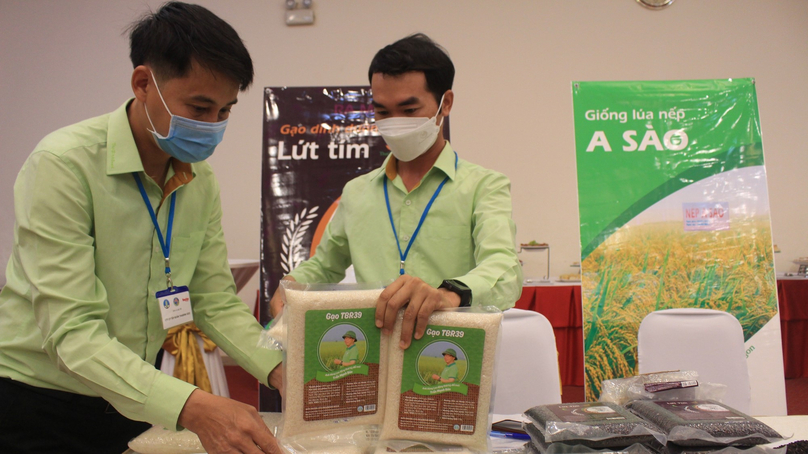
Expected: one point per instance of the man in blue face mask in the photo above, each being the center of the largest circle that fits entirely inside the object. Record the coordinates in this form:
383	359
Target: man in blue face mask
118	239
437	223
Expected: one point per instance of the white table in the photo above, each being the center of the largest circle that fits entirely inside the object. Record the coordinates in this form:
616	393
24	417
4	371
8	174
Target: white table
795	427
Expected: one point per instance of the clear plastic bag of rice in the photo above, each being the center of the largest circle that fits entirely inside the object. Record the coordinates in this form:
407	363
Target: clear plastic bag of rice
593	424
671	385
704	423
360	439
335	365
159	440
539	445
440	387
274	334
389	446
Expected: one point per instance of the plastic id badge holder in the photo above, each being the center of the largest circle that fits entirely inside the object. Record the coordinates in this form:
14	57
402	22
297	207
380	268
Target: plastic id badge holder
175	306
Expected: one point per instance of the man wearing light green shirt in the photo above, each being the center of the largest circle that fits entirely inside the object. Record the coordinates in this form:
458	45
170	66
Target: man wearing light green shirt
80	326
449	374
351	354
462	251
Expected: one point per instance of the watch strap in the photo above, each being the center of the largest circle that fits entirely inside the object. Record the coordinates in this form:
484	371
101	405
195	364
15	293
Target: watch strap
460	289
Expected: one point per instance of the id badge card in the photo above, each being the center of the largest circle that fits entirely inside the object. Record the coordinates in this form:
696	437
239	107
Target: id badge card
175	306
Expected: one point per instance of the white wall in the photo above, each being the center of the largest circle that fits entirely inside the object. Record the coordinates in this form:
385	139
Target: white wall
63	61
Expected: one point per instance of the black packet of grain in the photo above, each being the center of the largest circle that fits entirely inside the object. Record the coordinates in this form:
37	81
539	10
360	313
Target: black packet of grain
593	424
539	446
757	449
704	423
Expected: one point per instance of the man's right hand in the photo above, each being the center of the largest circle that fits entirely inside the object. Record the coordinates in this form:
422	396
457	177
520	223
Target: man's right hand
276	303
225	426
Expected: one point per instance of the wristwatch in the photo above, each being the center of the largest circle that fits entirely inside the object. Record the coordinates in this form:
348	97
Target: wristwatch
460	288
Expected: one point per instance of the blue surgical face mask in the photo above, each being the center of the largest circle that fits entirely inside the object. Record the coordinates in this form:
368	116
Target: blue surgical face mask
187	140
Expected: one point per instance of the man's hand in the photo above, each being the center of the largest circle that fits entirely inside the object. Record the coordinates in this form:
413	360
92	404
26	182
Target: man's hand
276	303
421	300
226	426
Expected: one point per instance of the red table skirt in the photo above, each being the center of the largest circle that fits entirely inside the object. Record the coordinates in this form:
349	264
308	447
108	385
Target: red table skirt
793	296
561	304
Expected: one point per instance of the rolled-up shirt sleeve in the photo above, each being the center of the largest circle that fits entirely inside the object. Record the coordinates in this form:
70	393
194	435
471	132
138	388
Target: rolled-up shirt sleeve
496	279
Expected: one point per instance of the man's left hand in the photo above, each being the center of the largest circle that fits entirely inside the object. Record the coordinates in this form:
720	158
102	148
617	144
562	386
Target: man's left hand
421	301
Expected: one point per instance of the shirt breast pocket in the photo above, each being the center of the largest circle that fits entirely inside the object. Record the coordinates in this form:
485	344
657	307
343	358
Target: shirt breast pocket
448	250
185	250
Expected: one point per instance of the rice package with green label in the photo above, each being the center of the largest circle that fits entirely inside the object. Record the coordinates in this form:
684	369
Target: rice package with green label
335	369
440	387
593	424
704	423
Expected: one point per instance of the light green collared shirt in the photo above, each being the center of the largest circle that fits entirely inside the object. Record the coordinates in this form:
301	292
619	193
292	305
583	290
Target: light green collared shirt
79	312
450	371
351	354
468	235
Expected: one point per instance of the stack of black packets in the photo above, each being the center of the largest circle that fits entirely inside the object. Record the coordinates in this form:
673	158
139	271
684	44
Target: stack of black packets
700	426
646	427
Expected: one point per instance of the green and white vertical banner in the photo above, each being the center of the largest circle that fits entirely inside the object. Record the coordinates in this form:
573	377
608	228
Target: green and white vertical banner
674	212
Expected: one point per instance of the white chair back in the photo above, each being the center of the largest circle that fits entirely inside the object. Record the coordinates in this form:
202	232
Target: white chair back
527	364
705	340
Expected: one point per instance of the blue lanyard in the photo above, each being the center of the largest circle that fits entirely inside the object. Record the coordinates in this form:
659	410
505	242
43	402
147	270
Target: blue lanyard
403	256
164	244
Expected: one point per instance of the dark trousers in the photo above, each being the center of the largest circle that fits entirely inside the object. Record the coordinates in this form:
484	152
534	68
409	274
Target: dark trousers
38	420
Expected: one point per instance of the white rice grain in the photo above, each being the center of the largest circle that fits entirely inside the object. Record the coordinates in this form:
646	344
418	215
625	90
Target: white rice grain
159	440
478	441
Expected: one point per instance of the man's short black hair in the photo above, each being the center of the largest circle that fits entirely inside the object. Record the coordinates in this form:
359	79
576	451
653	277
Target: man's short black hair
178	34
416	53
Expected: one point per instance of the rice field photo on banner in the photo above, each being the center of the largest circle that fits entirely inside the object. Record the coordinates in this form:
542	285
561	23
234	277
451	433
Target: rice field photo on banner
674	213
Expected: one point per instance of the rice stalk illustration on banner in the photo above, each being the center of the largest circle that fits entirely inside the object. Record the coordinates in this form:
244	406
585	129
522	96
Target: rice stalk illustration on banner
292	251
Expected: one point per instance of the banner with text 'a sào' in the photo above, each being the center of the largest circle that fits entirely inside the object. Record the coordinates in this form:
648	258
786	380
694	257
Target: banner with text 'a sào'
674	213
